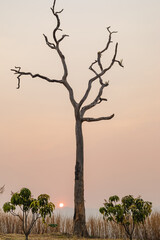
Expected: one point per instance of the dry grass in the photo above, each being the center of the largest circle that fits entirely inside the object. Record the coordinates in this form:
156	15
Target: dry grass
38	237
97	228
31	237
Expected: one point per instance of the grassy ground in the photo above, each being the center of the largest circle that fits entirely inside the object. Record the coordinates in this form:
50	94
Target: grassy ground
31	237
37	237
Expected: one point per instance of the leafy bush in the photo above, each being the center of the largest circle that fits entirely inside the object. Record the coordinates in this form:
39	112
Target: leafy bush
129	213
38	208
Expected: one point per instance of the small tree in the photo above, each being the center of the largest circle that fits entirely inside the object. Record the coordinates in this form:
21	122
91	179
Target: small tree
37	208
128	213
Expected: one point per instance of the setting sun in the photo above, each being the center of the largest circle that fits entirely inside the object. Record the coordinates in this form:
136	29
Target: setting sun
61	205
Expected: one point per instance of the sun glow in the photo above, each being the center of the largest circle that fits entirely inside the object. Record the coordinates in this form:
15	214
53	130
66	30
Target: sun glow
61	205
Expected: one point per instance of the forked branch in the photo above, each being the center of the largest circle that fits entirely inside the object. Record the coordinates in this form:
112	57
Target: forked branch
20	73
57	28
16	215
99	54
102	69
55	46
51	45
96	101
98	74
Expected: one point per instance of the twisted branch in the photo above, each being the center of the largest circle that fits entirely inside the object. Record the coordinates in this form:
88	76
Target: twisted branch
98	74
96	101
20	73
56	47
99	54
102	69
51	45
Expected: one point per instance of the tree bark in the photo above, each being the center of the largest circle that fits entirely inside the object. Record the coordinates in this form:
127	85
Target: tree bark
79	220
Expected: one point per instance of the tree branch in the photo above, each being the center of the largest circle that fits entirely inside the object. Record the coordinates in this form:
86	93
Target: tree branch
109	67
87	119
98	75
126	227
101	99
62	57
18	71
99	54
94	71
120	62
34	219
55	46
102	69
51	45
97	100
57	42
57	28
58	21
63	36
16	215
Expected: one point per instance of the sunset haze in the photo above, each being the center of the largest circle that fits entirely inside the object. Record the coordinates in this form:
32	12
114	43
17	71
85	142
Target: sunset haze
37	138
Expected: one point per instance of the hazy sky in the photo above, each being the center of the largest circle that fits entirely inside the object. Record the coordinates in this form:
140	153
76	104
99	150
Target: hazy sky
37	142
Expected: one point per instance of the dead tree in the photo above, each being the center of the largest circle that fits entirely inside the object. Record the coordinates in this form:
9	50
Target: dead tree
79	109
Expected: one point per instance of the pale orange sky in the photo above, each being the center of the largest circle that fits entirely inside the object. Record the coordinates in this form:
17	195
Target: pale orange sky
37	143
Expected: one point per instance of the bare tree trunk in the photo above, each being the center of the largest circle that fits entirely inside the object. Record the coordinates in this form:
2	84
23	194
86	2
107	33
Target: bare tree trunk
26	236
79	211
